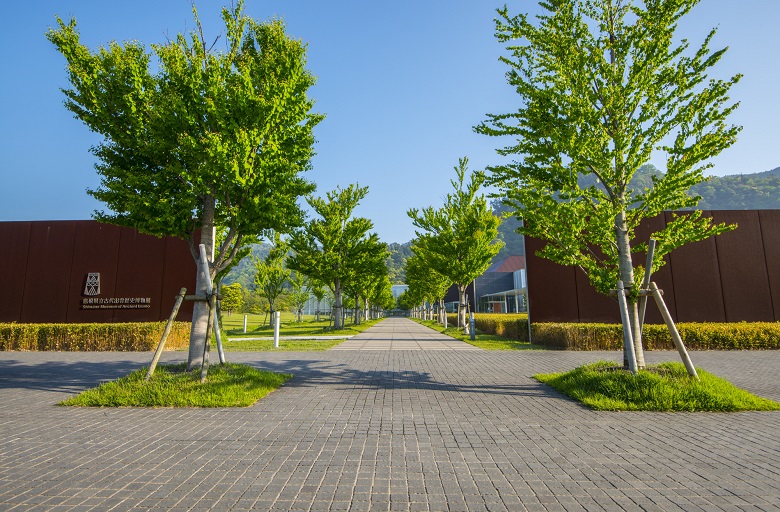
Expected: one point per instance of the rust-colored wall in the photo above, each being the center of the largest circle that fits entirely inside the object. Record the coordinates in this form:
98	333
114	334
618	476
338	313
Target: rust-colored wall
44	265
730	278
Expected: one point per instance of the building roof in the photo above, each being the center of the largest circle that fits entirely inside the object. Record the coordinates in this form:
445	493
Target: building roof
508	264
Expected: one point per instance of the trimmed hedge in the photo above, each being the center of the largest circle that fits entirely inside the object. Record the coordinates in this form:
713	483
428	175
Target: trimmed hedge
512	326
138	336
696	336
584	336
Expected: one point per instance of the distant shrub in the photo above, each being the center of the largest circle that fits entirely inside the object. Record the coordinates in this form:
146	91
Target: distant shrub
696	336
137	336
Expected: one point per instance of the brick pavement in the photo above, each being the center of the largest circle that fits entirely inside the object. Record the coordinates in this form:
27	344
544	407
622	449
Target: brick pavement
383	430
401	334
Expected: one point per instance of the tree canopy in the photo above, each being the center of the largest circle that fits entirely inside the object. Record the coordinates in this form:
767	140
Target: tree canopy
194	138
333	248
459	240
271	273
601	85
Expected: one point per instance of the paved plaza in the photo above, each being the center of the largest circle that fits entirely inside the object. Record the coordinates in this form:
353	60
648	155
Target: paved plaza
417	425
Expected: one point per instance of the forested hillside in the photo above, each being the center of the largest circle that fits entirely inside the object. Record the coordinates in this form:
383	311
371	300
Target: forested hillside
755	191
759	191
397	260
244	272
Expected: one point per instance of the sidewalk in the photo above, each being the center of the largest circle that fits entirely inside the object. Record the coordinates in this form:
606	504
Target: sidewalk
410	430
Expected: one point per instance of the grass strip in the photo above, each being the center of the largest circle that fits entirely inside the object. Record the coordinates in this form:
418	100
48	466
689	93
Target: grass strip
483	341
239	345
664	387
306	328
228	385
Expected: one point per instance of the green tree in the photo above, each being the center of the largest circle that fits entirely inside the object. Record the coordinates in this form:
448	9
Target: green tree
459	240
299	294
424	281
271	274
382	296
602	83
366	272
318	292
327	247
197	138
232	297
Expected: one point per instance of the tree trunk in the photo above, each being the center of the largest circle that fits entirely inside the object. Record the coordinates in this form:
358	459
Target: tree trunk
357	311
366	315
462	306
627	276
200	312
338	317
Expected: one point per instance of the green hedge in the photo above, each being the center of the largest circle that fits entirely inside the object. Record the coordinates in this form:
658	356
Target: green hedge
512	326
583	336
696	336
138	336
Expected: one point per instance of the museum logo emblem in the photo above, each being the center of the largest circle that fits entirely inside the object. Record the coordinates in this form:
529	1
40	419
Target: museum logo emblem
92	287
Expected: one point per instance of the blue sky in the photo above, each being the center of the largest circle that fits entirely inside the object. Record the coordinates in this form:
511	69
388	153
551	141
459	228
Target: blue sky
402	83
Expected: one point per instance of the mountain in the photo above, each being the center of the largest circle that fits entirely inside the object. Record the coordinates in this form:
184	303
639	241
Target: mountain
757	191
244	272
396	261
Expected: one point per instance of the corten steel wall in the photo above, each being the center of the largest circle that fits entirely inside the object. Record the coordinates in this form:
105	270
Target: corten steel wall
44	264
729	278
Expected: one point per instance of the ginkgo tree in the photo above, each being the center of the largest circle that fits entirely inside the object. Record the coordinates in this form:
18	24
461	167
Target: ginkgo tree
195	138
271	272
331	247
601	85
459	240
425	282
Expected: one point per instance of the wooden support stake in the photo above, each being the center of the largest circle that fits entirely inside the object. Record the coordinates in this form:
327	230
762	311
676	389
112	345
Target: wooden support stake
218	333
678	342
646	282
204	368
628	339
166	332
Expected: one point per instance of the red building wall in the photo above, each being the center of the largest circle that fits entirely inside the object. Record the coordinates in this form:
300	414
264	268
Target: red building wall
729	278
44	267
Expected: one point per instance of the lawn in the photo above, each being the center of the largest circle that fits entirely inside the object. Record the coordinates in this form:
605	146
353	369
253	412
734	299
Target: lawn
234	328
484	341
665	387
228	385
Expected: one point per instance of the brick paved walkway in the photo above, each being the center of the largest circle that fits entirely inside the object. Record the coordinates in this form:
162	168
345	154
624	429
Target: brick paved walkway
383	430
402	334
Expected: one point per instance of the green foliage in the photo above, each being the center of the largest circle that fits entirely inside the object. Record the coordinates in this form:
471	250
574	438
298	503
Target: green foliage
457	241
232	297
696	336
396	261
425	284
228	385
271	274
602	85
126	337
336	248
197	138
300	293
244	271
508	231
666	387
